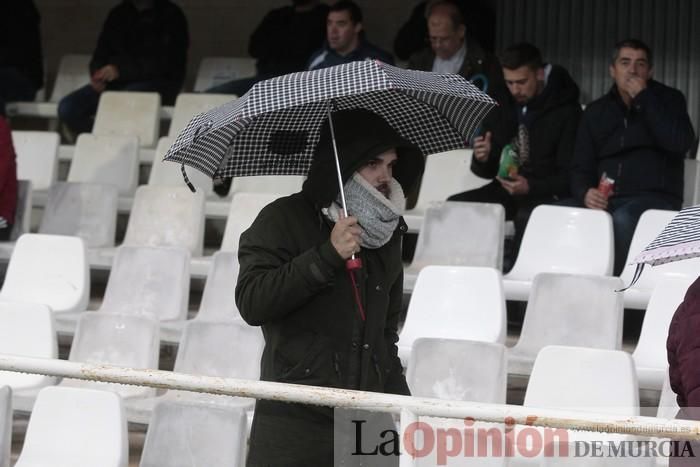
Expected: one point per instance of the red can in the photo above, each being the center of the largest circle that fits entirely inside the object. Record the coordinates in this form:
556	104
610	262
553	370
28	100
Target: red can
606	185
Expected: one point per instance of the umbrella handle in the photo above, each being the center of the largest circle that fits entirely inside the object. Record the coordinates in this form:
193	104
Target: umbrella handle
353	264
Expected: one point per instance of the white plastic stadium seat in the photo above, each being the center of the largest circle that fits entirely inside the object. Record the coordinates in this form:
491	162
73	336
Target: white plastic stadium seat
561	239
245	207
445	174
37	157
85	210
458	234
651	223
26	329
48	269
218	303
187	105
212	436
650	354
280	185
129	113
92	430
214	71
115	339
455	302
152	281
167	216
108	159
568	309
23	212
453	369
229	350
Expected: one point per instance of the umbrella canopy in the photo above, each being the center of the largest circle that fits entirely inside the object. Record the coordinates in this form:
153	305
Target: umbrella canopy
679	240
273	129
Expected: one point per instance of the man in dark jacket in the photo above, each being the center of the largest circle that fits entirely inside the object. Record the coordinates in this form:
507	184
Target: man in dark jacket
21	64
142	47
345	39
451	51
537	125
320	329
282	43
638	135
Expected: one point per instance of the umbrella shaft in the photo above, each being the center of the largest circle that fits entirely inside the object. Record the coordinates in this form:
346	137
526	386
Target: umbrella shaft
337	161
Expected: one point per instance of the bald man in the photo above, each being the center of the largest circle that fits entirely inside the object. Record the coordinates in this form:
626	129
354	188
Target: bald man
452	51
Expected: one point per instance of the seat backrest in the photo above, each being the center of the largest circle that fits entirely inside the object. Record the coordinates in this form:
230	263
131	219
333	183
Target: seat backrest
85	210
168	173
108	159
651	345
230	350
573	310
245	207
23	213
456	302
5	425
447	174
73	73
129	113
93	429
577	378
167	216
187	105
37	157
218	302
211	435
119	339
26	329
461	234
449	369
280	185
149	280
650	225
567	240
214	71
48	269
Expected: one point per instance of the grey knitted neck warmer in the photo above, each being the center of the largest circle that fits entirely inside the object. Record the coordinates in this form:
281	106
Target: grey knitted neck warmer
377	215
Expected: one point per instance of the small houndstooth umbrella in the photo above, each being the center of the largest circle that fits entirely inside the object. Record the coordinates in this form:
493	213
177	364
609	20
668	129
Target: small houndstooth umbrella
273	129
679	240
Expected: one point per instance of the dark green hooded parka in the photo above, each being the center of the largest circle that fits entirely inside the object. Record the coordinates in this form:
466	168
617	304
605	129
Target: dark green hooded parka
293	283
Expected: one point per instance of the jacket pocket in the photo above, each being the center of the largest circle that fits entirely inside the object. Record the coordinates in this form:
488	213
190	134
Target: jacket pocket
315	366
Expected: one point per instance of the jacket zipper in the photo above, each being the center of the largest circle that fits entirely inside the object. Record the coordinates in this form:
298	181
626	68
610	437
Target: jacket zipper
376	368
336	365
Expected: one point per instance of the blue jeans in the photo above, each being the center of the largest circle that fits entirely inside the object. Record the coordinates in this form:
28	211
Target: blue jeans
77	110
14	86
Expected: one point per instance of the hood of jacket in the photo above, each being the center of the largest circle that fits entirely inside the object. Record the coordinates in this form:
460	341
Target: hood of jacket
360	135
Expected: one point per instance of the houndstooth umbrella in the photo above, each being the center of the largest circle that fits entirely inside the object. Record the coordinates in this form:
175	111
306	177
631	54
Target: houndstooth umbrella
273	129
679	240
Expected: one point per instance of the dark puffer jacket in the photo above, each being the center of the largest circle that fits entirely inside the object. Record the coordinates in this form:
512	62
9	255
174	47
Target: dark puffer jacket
641	147
293	283
683	349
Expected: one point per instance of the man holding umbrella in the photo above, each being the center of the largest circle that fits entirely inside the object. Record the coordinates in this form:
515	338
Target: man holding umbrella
328	323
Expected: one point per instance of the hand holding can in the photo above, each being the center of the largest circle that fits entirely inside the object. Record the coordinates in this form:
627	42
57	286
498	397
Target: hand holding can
606	185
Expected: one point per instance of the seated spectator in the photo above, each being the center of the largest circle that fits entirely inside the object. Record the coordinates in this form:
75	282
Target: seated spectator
142	47
637	135
452	52
282	43
479	17
345	40
21	64
8	181
537	126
